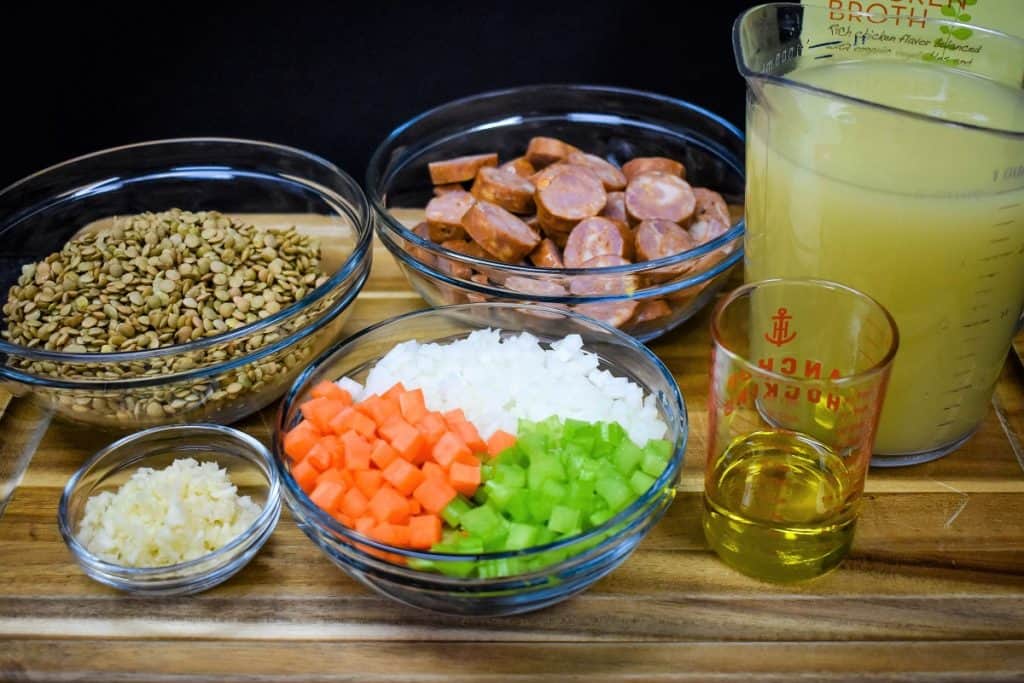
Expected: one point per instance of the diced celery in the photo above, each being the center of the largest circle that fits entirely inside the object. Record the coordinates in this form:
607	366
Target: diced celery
615	492
544	468
544	536
653	464
496	543
612	433
640	482
469	546
454	510
480	497
421	565
552	428
513	455
481	521
520	536
510	475
659	447
599	517
554	491
540	508
518	507
458	569
564	519
493	569
498	494
627	457
581	494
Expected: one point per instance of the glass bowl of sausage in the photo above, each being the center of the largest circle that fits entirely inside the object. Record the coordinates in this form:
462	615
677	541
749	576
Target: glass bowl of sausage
574	522
621	205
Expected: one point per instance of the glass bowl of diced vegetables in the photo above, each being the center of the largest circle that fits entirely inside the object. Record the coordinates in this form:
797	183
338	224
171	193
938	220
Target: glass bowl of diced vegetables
469	511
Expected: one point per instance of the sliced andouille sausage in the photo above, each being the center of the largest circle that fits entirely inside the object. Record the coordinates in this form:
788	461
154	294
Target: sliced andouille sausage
529	285
502	234
709	205
703	231
547	255
419	253
444	214
609	174
477	297
659	195
649	310
543	177
655	239
448	187
615	207
615	313
456	269
635	167
574	193
521	166
467	247
543	151
504	188
596	236
459	169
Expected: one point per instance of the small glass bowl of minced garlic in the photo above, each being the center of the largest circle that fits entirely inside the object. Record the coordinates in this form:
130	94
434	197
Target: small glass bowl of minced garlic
171	510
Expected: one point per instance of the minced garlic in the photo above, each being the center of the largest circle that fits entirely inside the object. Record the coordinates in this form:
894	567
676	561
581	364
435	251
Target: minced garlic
162	517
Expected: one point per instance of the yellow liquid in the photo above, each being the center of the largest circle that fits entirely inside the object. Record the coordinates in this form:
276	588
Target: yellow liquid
926	217
778	506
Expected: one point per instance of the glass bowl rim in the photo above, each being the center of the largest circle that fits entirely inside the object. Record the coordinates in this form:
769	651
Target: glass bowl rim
271	509
309	512
363	226
377	162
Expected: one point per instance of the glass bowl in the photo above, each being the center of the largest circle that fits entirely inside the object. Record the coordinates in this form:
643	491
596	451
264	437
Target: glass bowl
215	379
249	466
613	123
554	572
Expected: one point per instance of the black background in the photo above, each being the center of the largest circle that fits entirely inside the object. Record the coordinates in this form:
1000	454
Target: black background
330	78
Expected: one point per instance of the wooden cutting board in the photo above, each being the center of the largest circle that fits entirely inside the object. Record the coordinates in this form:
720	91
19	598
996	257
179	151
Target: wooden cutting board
935	584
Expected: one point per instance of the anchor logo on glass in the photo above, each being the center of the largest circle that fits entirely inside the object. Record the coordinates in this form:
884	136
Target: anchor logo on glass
780	334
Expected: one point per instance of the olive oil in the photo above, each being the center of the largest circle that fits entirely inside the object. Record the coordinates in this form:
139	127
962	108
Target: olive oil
778	505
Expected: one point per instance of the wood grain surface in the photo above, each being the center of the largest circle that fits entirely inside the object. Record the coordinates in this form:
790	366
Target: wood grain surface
934	588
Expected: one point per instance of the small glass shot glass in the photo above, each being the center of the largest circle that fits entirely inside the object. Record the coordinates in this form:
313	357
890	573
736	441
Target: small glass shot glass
798	374
249	466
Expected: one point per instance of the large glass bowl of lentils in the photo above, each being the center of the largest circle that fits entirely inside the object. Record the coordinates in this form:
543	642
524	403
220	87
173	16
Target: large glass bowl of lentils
175	281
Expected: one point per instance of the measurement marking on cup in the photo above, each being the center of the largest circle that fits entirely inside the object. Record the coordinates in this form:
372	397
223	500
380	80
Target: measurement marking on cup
983	291
825	44
959	389
1004	223
1009	206
997	240
976	323
1002	254
946	423
989	275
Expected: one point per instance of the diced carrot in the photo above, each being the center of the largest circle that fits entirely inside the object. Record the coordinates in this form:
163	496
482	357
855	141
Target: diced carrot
424	531
388	505
320	412
378	409
383	453
300	439
357	451
403	476
433	494
332	391
328	495
470	435
432	426
335	475
394	392
405	439
368	481
453	417
365	524
449	449
319	457
432	469
343	518
412	406
464	478
414	507
499	441
392	534
350	420
354	503
305	475
336	448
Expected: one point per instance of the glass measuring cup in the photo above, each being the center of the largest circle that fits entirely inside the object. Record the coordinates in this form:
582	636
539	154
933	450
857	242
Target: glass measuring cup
798	374
886	152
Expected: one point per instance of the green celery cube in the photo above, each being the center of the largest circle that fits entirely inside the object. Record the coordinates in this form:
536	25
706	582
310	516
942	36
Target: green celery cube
521	536
454	510
627	457
552	428
496	543
421	565
641	483
612	432
457	569
615	491
493	569
543	469
540	508
498	494
481	521
554	491
653	464
512	476
660	448
518	507
564	519
469	546
581	494
513	455
599	517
